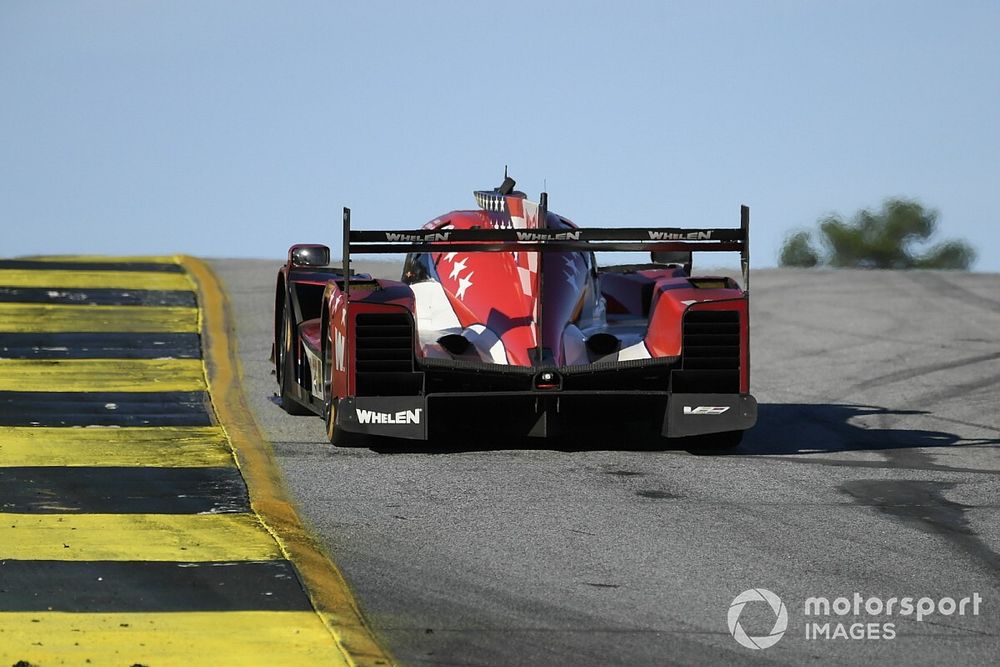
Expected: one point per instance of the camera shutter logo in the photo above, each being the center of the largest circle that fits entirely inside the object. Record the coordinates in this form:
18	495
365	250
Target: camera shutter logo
780	622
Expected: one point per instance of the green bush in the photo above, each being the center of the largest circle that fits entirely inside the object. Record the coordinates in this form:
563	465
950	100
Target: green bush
882	239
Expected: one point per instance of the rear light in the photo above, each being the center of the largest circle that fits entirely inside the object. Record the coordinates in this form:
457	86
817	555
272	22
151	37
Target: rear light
548	381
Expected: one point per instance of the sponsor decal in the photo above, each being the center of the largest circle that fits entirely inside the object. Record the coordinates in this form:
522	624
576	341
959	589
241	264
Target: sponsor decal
536	236
339	348
436	236
401	417
680	236
316	372
705	409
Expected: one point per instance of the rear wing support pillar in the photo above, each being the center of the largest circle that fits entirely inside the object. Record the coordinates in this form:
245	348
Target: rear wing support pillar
347	252
745	249
543	216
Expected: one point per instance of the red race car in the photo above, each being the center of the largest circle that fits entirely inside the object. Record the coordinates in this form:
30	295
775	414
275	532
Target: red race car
503	313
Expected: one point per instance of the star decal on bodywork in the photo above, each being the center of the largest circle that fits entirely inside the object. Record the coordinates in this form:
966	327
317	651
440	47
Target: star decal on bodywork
464	284
569	271
456	269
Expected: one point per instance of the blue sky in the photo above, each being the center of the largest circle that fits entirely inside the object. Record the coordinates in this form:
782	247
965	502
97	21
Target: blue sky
238	128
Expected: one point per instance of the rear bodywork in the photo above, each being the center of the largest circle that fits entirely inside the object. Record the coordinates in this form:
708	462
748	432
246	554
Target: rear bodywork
502	314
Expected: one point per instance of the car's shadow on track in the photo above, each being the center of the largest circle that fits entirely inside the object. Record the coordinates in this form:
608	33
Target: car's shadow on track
459	445
627	438
800	428
473	439
782	429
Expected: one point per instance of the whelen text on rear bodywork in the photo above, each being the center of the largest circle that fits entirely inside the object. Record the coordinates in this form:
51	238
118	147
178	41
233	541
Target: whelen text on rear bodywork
504	311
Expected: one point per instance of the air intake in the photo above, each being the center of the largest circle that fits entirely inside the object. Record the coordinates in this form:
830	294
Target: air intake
711	340
384	354
383	343
710	356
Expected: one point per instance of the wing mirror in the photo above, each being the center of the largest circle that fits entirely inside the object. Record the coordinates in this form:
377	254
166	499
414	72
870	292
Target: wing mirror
309	255
673	257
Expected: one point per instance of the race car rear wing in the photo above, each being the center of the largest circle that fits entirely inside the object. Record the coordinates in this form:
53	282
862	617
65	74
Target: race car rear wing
625	239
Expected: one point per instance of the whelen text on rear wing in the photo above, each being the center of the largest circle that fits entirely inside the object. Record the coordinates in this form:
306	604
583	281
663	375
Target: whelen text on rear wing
503	319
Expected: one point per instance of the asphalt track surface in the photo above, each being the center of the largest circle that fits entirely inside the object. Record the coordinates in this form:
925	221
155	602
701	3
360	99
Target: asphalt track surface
873	469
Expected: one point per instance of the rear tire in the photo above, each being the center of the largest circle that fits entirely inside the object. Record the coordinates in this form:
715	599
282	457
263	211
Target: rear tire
333	434
284	367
